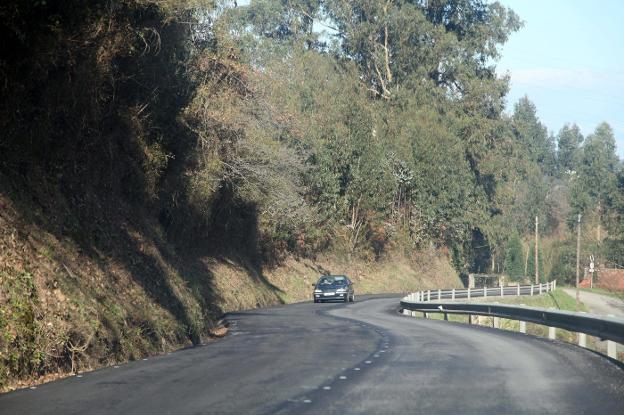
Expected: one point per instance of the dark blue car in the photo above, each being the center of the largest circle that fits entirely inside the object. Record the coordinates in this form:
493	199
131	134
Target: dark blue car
333	287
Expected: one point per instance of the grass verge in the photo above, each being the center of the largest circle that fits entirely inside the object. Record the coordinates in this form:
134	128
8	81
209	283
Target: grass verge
557	300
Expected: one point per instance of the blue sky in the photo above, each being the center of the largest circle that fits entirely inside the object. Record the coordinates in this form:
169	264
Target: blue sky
569	59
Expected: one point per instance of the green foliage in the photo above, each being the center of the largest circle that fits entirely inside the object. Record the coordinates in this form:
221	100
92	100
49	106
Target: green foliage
530	269
385	129
533	135
569	142
514	258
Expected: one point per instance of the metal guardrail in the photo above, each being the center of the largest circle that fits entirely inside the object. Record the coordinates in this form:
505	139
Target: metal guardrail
606	328
455	294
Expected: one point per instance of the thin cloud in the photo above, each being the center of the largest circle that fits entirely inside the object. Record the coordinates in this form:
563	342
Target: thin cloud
563	77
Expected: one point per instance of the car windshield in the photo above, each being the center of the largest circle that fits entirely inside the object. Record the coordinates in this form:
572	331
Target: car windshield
332	279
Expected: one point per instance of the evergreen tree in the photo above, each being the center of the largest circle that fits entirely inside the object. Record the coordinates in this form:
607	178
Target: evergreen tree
569	141
594	186
514	258
533	135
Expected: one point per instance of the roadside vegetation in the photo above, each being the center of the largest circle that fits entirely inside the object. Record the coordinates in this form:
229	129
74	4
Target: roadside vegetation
162	162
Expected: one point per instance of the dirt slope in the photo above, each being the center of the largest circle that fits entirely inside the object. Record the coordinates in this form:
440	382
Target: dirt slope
68	306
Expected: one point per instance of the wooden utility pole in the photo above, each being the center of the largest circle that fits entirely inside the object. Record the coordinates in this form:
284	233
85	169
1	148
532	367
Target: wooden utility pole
536	250
578	258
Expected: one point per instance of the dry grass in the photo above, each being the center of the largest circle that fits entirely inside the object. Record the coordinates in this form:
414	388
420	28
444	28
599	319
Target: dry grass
64	310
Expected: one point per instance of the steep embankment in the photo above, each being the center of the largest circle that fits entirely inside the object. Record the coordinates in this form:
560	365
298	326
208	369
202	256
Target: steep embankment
135	164
65	306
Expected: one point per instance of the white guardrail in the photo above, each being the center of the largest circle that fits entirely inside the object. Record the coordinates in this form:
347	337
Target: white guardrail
454	294
436	301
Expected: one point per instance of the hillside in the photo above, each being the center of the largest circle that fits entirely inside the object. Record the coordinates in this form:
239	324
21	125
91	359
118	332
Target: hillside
66	307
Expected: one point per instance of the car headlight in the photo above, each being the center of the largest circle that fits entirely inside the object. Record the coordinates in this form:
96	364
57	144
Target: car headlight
341	290
318	291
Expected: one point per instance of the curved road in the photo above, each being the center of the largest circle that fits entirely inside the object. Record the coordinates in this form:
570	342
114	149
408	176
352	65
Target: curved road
360	358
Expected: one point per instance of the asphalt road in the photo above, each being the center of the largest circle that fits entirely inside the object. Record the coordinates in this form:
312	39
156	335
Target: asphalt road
601	305
360	358
598	303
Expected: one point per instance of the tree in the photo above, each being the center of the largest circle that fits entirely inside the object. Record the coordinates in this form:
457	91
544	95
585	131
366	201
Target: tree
533	135
514	258
594	187
569	142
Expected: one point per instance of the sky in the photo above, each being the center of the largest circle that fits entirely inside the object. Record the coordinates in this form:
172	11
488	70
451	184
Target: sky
569	60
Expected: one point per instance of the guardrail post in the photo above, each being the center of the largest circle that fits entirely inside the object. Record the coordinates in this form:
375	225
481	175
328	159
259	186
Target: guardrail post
611	350
518	289
469	293
414	313
496	323
428	295
502	291
406	312
523	327
469	318
425	315
439	294
453	294
445	316
540	289
582	339
484	292
531	289
552	333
